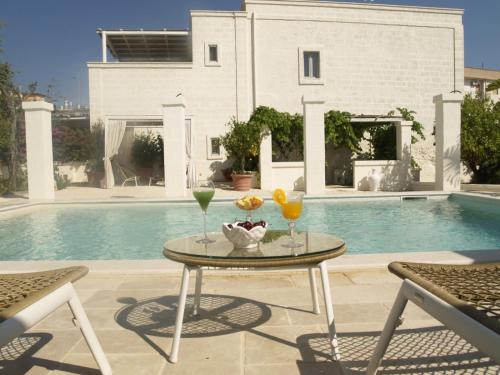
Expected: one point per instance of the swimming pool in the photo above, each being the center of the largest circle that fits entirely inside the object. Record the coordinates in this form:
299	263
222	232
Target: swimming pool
138	231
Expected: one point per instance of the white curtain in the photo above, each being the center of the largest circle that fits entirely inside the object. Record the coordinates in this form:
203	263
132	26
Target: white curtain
114	133
191	168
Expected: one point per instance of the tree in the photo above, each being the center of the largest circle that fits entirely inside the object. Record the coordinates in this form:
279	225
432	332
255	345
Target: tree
10	105
32	87
481	139
495	85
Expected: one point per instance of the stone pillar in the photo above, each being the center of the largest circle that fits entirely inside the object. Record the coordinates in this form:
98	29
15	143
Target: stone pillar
448	121
403	141
314	144
174	145
38	119
265	164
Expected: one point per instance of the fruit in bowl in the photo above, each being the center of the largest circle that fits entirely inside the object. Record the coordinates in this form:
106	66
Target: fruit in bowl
244	234
249	202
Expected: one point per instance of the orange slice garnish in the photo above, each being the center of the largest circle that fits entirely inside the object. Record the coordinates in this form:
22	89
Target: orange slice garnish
279	196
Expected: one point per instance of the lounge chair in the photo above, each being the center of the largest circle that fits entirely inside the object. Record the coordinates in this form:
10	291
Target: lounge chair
465	298
27	298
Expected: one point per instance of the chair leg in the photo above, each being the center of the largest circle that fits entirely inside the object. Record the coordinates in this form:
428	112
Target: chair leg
197	291
389	328
180	315
89	334
329	311
136	184
314	290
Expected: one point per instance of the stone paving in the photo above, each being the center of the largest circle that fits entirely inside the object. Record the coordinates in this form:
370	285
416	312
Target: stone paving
254	323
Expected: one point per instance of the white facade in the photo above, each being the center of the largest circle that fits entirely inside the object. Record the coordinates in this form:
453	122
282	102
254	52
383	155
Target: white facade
373	58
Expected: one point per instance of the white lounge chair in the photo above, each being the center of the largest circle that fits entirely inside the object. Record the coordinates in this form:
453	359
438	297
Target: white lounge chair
465	298
27	298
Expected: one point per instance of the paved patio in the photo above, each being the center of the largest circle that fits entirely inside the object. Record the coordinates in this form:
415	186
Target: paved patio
257	323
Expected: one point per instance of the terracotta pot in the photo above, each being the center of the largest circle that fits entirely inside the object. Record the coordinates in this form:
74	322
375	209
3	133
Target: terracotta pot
242	182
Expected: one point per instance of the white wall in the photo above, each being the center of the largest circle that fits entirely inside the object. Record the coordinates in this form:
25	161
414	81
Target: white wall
375	58
75	171
395	174
288	175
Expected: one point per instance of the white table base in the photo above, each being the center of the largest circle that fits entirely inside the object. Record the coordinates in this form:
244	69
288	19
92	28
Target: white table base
174	353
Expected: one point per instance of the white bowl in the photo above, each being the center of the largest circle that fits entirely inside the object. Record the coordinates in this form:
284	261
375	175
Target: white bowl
242	238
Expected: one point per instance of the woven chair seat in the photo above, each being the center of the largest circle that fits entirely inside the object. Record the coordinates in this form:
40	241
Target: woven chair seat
472	289
18	291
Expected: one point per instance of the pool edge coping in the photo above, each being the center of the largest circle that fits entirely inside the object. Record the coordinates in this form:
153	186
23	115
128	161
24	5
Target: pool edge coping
344	263
185	200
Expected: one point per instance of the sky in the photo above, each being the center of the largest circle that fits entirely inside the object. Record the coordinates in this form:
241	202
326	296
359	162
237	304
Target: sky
50	41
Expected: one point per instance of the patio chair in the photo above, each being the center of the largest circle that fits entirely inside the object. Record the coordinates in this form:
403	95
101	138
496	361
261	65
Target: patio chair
126	175
27	298
465	298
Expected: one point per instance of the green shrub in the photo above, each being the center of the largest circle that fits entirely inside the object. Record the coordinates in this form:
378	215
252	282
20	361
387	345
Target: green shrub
146	150
4	186
96	148
480	139
242	142
62	180
71	144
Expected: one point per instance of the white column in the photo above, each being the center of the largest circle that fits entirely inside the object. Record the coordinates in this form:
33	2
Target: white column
314	144
448	121
38	119
104	47
174	145
403	140
265	164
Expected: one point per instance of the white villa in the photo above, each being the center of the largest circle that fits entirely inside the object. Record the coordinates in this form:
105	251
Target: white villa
362	58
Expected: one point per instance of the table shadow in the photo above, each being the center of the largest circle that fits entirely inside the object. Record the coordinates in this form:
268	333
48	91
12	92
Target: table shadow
218	315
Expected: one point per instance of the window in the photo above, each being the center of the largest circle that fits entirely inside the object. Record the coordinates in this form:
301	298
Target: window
214	148
212	54
311	66
215	143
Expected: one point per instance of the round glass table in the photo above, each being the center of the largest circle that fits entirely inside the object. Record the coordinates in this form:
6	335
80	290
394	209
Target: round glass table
269	253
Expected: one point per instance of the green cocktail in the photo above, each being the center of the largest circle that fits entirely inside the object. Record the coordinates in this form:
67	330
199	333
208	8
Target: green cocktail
204	198
203	192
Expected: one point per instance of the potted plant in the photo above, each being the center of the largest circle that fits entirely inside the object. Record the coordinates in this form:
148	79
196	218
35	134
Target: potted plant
145	152
242	143
95	165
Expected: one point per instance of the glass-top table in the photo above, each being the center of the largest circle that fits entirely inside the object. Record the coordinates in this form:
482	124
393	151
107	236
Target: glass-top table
270	252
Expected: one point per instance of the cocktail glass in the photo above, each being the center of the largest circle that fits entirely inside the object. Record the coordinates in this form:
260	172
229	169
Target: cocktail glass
291	210
204	191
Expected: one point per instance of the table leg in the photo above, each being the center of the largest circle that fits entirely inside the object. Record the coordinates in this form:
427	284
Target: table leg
314	290
180	315
197	291
329	311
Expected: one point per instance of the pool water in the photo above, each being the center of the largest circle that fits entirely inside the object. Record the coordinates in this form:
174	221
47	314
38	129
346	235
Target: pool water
137	231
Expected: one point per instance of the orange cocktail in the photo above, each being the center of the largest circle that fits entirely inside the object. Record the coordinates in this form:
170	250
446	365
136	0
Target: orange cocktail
291	209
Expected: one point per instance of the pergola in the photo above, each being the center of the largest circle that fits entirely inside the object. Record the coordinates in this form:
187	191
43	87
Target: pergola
146	45
309	175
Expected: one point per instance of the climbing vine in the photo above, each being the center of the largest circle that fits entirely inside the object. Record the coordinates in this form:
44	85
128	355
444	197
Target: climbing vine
287	133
